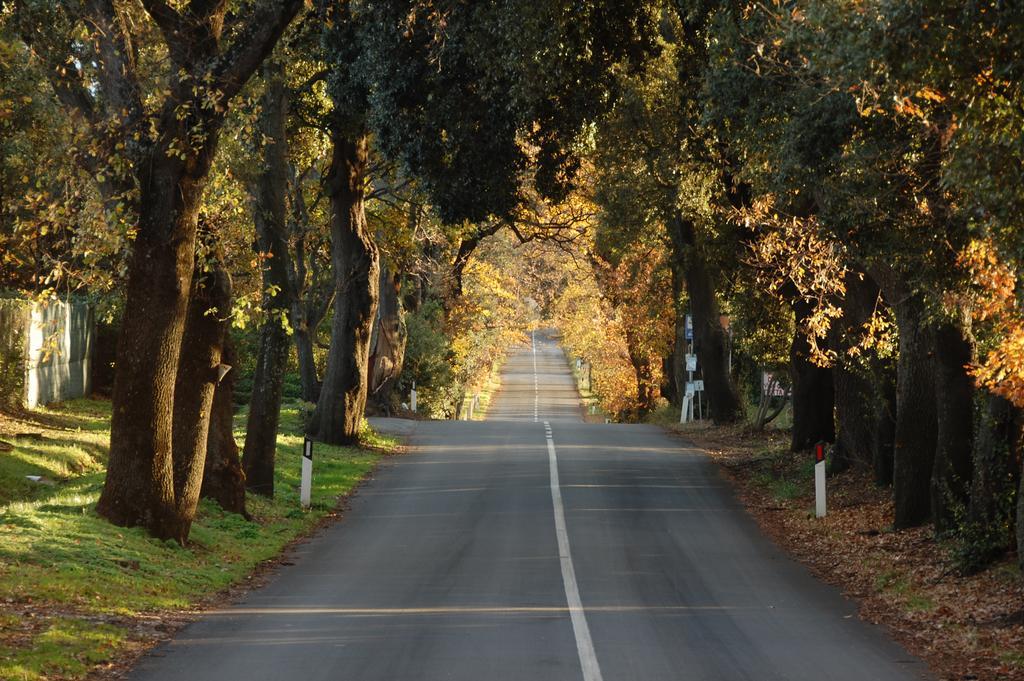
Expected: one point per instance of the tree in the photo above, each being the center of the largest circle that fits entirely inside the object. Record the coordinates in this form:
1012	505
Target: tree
652	176
270	217
152	144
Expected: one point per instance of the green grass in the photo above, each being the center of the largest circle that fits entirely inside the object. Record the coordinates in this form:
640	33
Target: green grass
783	475
896	584
1013	658
62	647
55	552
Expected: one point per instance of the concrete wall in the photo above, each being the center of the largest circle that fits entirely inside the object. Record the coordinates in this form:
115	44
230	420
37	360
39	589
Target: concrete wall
56	348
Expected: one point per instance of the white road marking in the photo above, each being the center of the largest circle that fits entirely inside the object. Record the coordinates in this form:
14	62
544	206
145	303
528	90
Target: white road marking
536	385
584	644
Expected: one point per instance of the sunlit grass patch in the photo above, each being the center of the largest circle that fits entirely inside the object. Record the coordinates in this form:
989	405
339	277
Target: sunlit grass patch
56	552
55	647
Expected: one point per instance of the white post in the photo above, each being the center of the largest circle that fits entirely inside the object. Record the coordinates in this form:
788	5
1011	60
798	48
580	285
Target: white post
412	398
306	487
819	480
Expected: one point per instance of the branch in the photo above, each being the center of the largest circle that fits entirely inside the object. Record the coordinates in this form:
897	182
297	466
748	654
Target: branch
203	10
170	23
116	67
253	43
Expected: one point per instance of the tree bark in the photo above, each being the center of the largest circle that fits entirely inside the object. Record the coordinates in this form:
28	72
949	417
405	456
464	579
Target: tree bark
854	379
223	477
389	338
1020	501
813	389
205	326
680	346
169	175
916	420
312	288
139	487
643	370
269	215
954	403
710	343
996	449
884	443
342	402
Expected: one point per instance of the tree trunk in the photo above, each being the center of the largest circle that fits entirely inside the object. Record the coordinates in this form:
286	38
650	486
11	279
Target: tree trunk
813	390
996	449
1020	504
312	292
954	401
139	486
389	338
884	444
676	371
916	422
710	342
644	373
269	214
342	402
223	478
198	372
856	390
307	365
169	174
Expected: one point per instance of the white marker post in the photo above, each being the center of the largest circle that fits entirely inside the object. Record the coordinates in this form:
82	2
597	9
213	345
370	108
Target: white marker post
306	487
819	480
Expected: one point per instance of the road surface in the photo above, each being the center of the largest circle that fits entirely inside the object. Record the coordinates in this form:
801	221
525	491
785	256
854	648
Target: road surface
535	547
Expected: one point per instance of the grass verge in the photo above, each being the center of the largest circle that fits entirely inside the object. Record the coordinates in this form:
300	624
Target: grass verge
77	592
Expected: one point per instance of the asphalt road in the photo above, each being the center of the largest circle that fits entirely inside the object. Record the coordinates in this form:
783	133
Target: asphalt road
535	547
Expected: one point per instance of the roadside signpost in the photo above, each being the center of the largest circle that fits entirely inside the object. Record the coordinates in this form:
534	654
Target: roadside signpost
412	398
306	487
691	394
819	480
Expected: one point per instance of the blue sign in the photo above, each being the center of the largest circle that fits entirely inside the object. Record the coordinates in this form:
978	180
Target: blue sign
689	327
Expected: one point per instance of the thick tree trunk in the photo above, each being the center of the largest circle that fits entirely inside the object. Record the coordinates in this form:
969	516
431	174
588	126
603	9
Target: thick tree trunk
954	401
643	370
996	449
856	390
342	402
198	372
1020	510
710	343
646	393
389	338
884	444
223	478
269	214
676	371
139	486
813	390
169	175
916	422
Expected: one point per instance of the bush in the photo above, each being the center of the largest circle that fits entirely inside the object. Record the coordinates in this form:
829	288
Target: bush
976	545
428	362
